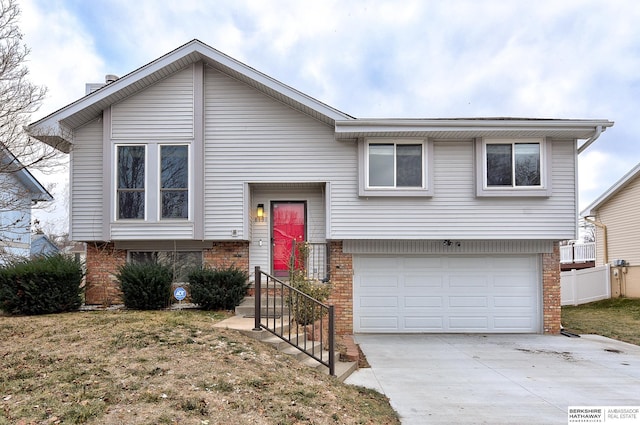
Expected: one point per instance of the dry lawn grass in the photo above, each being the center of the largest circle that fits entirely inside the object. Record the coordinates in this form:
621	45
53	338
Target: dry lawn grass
617	318
167	367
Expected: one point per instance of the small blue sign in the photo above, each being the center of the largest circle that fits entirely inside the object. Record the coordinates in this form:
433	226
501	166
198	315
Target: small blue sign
180	293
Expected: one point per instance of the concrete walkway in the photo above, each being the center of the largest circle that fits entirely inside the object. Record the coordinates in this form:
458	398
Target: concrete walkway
498	379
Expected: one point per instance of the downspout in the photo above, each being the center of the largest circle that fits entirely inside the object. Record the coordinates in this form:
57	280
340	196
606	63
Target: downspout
591	139
604	237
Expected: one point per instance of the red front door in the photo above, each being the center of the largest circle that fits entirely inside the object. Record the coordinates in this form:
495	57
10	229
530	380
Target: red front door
288	225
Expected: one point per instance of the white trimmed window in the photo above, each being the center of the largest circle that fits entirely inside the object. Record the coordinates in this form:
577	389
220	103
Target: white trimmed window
513	167
140	196
394	167
131	182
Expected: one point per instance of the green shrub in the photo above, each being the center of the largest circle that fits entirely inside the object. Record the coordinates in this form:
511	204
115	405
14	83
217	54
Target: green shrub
305	311
145	286
48	284
218	289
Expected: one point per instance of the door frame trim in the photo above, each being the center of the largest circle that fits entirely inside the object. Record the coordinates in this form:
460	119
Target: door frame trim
272	203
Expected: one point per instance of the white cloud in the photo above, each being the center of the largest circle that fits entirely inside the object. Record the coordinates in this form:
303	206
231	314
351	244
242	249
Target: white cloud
459	58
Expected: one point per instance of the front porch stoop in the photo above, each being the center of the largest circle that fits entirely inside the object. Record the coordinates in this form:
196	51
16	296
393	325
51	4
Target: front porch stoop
244	323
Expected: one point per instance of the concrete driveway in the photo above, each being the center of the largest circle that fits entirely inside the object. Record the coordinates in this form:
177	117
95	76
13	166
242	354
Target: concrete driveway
498	379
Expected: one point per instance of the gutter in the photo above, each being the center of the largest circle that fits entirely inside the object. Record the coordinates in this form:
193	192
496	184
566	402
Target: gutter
604	237
591	139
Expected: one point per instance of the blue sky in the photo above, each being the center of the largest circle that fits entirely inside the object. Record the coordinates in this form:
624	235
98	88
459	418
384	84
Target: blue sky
420	58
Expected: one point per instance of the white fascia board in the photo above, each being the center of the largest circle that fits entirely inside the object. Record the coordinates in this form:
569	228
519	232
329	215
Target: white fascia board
407	125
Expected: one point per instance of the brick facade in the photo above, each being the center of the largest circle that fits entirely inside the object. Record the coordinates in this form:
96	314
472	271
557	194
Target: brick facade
341	272
103	261
227	254
551	290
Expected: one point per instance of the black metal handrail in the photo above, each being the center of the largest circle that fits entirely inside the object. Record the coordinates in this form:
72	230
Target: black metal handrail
283	310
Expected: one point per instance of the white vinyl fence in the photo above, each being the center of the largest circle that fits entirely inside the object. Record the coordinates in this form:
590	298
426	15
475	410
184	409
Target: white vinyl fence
586	285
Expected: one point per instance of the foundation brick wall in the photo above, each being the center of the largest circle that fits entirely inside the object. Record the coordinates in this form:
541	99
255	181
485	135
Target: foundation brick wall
227	254
551	290
103	261
341	269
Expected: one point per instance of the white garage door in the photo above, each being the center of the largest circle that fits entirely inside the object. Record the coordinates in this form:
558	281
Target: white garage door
447	294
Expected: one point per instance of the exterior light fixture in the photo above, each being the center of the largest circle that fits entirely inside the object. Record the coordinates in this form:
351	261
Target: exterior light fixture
260	213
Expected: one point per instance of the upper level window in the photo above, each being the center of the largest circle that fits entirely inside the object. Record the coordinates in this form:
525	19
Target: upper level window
394	168
131	182
514	167
174	185
152	182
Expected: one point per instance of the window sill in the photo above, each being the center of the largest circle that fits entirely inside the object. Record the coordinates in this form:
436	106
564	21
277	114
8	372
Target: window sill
424	193
514	193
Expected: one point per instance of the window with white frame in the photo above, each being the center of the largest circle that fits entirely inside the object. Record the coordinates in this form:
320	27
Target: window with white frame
174	181
514	166
139	195
131	167
394	167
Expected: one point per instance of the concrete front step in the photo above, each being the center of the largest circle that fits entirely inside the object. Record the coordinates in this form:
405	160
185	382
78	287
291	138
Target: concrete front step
272	306
245	325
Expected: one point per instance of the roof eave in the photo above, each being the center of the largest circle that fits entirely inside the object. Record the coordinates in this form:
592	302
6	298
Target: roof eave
592	209
50	129
364	127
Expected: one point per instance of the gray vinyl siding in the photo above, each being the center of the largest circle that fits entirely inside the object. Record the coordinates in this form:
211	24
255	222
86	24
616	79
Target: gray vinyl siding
454	212
87	199
162	111
152	231
250	137
619	214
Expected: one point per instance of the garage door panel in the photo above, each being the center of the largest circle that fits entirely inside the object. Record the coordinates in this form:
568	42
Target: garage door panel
372	301
422	281
512	302
457	301
422	302
423	323
468	323
380	281
382	324
421	263
467	281
482	293
513	324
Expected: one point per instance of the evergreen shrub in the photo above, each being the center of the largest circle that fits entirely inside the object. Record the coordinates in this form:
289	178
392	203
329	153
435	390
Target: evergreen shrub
43	285
145	286
218	289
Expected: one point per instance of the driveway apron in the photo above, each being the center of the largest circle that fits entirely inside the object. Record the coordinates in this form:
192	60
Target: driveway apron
498	379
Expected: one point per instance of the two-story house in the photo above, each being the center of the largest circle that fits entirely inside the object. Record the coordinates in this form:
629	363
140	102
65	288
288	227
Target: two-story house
431	225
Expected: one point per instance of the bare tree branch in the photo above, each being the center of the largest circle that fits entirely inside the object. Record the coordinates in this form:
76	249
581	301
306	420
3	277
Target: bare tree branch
19	98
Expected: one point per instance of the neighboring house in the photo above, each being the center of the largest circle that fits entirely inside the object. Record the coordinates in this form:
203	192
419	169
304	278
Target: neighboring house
41	245
19	191
432	225
614	214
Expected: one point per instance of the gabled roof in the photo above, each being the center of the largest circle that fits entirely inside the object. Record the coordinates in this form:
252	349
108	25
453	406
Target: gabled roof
35	188
54	129
612	191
